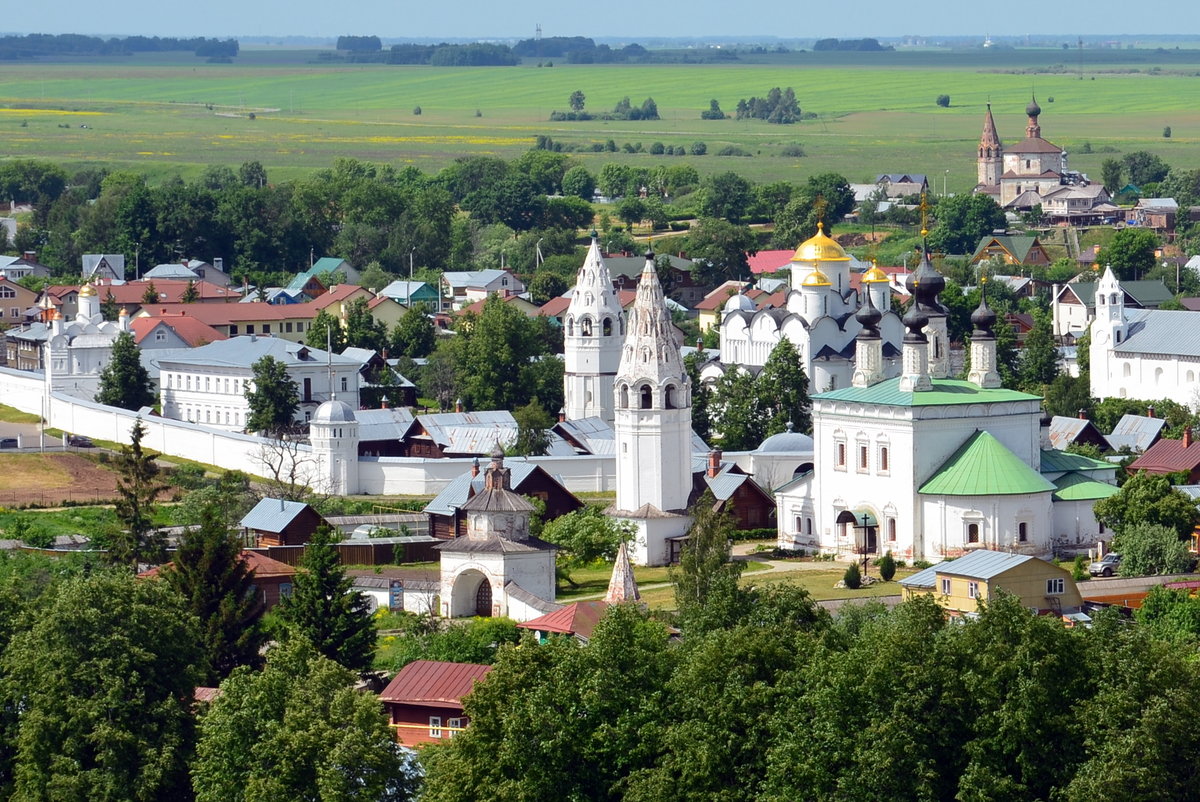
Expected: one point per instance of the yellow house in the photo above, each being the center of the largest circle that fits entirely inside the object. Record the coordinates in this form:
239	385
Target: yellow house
960	585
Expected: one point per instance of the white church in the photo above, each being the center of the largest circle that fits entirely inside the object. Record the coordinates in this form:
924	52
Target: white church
819	320
928	467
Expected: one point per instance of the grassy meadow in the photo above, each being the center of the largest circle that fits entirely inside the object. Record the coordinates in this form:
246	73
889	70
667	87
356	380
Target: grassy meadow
876	112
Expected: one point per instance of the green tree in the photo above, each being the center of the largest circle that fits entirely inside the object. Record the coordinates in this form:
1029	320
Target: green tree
362	329
1039	358
1151	549
413	336
124	381
546	286
577	100
1111	171
737	411
726	195
782	388
706	582
1144	167
1148	499
533	425
326	331
962	220
218	588
825	198
943	101
701	397
323	609
150	296
105	675
138	488
1130	253
273	397
109	308
586	535
579	182
1067	395
298	730
191	293
630	211
720	250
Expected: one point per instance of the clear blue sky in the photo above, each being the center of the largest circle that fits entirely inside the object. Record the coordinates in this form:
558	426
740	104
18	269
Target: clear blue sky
623	18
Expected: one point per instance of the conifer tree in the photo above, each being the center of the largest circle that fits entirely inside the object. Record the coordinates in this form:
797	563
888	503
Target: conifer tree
191	293
274	398
323	610
138	487
218	587
783	388
124	381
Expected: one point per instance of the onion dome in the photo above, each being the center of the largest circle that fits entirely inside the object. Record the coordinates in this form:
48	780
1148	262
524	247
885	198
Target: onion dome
925	284
983	318
869	317
820	248
874	276
87	291
816	279
1033	109
915	320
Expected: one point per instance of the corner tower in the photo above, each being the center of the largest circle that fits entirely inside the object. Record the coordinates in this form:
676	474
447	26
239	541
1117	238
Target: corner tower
653	426
593	330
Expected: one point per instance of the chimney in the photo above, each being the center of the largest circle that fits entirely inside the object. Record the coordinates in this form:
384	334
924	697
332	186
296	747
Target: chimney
29	256
1083	415
699	345
1150	411
219	263
475	467
714	462
1187	437
383	403
458	405
562	414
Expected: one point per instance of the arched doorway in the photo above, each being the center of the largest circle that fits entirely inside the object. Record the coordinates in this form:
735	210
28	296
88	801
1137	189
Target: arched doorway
865	527
471	595
483	599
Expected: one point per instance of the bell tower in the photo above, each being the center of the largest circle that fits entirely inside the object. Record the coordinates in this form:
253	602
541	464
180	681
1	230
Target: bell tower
989	163
593	330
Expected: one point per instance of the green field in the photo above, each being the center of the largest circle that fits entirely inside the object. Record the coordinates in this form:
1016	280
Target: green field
875	114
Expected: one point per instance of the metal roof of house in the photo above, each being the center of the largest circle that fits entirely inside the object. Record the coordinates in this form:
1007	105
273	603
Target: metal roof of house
402	290
1055	461
456	493
983	466
1146	293
1018	247
1136	431
944	392
433	682
593	435
577	618
1078	487
1064	431
245	350
1168	456
272	515
383	424
981	564
1161	331
494	545
473	278
171	270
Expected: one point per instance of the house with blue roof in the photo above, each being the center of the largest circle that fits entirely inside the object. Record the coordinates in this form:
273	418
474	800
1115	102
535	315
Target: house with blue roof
962	585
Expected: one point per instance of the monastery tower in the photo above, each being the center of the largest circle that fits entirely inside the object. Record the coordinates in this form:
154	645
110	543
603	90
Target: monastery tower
594	328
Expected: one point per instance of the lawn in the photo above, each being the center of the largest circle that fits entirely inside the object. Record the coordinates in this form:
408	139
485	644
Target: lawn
12	415
875	114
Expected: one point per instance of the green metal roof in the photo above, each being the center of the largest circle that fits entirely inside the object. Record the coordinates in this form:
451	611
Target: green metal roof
1077	487
1054	461
1018	246
944	392
982	466
1147	292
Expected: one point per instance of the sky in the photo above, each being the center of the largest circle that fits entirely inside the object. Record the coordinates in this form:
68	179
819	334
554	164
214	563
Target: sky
499	19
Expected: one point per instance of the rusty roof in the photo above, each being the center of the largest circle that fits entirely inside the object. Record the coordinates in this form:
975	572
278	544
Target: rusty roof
433	682
1167	456
579	618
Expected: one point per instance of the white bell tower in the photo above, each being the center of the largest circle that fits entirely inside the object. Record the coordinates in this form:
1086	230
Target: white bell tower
593	330
653	426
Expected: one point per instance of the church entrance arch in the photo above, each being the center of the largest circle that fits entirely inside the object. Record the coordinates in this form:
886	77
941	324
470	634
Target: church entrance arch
471	595
865	526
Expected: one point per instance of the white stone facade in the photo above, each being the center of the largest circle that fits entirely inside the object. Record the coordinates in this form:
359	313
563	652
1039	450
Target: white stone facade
593	332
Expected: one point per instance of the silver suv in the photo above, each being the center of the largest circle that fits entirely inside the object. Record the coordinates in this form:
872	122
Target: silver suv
1106	565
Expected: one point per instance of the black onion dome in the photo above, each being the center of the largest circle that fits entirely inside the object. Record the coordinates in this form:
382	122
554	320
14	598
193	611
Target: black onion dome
925	284
869	316
983	318
915	320
1033	109
649	253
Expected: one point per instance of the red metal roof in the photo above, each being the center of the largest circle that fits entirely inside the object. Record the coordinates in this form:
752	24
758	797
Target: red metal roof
579	618
770	261
339	292
224	314
1167	456
169	291
259	564
433	682
191	331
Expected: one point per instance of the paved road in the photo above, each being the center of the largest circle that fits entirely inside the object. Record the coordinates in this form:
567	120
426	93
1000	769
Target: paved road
28	435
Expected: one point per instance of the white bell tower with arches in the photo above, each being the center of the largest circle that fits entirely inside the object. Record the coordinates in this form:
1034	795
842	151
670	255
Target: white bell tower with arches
593	330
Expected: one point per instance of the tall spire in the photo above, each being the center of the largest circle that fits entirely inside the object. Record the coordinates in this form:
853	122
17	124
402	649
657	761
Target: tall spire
621	586
989	140
991	153
650	349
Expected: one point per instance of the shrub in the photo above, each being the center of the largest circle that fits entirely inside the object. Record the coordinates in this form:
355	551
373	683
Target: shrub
921	565
792	151
732	150
852	578
887	567
699	148
943	101
1079	571
657	149
416	111
1167	132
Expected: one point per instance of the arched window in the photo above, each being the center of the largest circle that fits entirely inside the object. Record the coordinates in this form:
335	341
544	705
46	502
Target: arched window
1158	374
972	533
884	464
808	526
585	327
891	529
624	397
1022	532
1126	371
606	327
570	326
646	397
1112	298
669	397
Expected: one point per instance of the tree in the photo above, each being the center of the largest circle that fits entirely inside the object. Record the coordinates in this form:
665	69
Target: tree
190	293
362	329
215	582
720	250
109	308
1039	359
326	331
150	296
1067	395
943	101
706	583
1152	550
298	730
630	210
138	487
1111	171
1144	167
825	198
1148	499
105	676
1166	132
962	220
698	149
413	336
737	411
273	397
701	397
533	424
252	174
782	387
124	381
545	286
579	182
852	577
726	195
577	100
586	535
1130	253
323	609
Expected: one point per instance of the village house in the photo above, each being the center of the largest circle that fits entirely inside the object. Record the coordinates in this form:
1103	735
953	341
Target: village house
172	331
1011	250
1074	304
18	267
961	585
462	288
1171	456
276	522
445	511
424	701
273	580
110	266
286	322
407	293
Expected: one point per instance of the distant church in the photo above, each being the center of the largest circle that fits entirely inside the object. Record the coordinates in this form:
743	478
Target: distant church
1020	176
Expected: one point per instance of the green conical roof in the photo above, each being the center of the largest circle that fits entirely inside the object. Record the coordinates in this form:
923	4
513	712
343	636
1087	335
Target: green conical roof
1077	487
982	466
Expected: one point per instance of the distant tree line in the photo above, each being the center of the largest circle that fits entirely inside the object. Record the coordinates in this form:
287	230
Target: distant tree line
624	110
859	45
478	54
363	43
779	106
40	45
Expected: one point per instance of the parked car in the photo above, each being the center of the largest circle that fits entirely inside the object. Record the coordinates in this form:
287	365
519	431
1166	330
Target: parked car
1106	565
8	442
79	441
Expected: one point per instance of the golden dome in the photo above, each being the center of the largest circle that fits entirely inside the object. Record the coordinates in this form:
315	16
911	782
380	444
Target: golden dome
87	290
874	276
815	279
820	248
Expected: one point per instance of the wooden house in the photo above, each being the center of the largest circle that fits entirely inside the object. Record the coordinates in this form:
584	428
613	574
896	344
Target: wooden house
446	519
275	522
273	580
424	702
961	585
